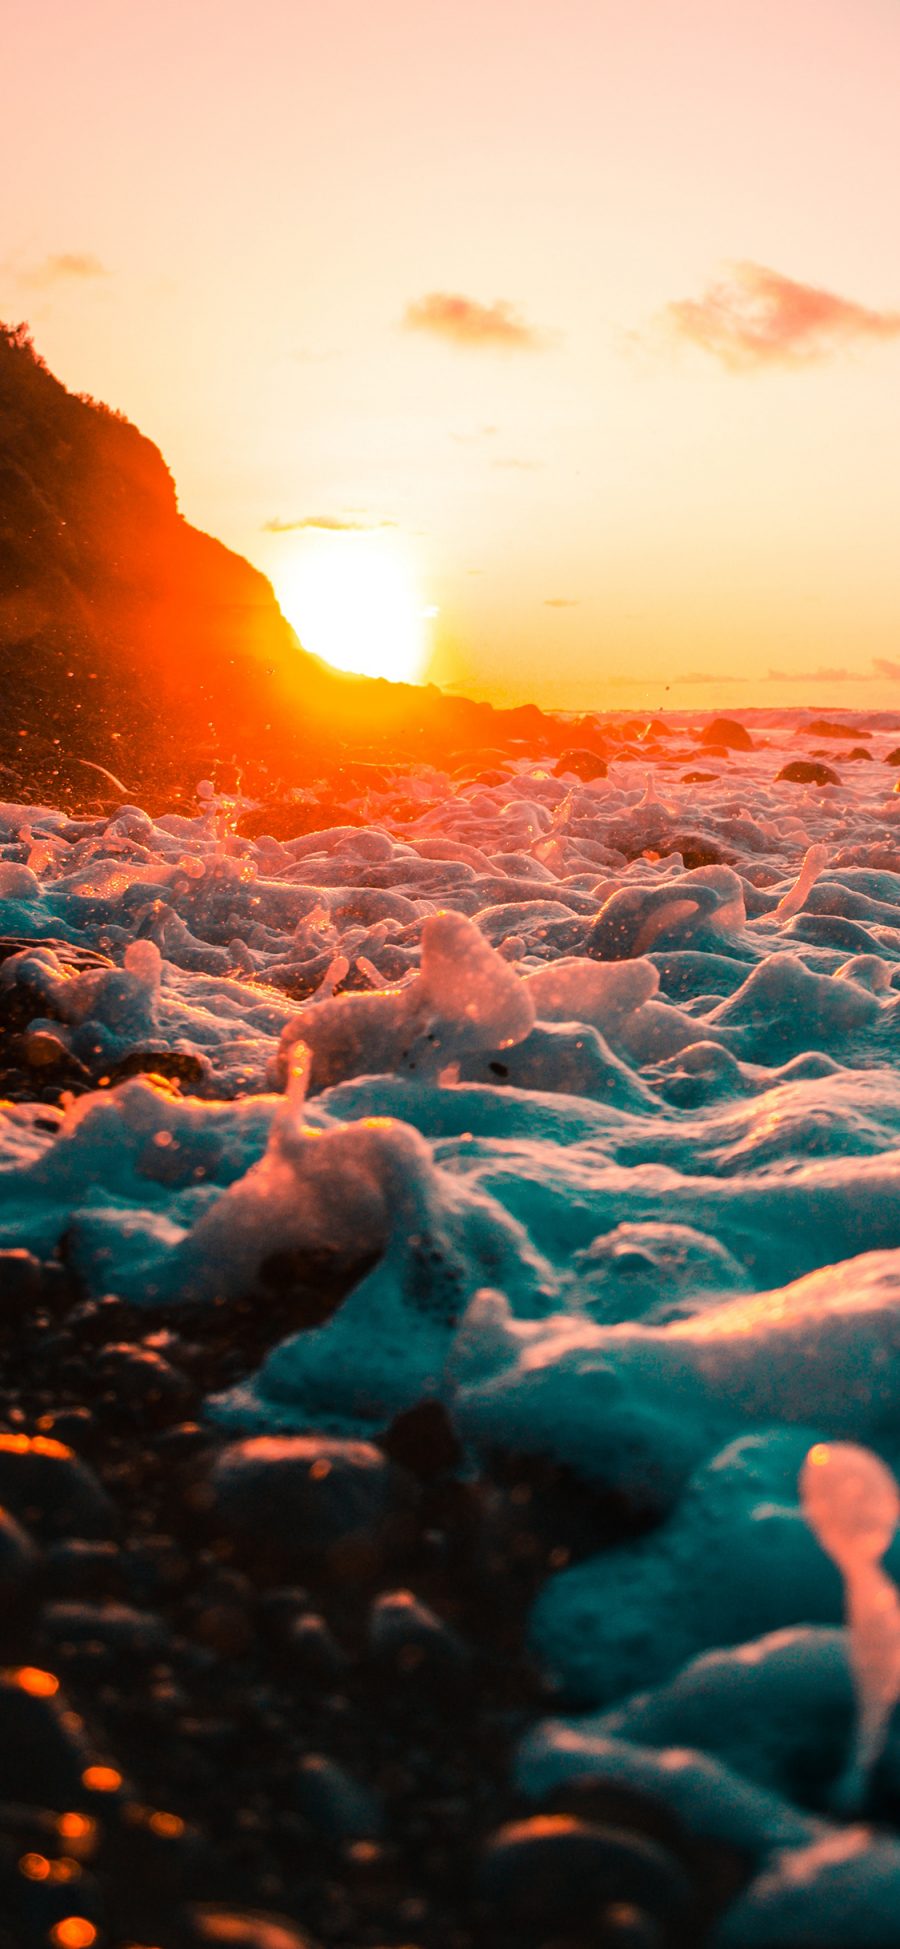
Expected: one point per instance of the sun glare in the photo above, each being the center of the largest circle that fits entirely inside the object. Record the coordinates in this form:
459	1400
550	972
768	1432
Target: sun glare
353	599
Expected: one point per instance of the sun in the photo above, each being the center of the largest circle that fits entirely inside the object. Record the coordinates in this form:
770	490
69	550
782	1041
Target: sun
354	600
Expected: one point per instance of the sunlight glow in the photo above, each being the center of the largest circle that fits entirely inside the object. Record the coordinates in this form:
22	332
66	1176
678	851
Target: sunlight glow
353	599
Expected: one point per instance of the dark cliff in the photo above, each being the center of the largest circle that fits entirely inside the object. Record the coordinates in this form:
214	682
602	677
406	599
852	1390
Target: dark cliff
131	641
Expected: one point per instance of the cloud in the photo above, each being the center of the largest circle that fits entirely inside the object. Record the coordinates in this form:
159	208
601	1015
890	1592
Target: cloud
332	523
826	673
562	602
68	264
755	317
465	322
883	667
511	464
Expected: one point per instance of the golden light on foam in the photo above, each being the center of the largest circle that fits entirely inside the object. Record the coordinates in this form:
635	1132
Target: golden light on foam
818	1455
354	600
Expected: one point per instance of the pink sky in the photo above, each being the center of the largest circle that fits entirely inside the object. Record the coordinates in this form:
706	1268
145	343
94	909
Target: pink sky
469	269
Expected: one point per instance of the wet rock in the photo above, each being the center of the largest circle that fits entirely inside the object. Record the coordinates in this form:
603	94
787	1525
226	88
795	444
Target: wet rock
313	1648
216	1927
410	1641
20	1279
583	763
120	1631
828	727
45	1486
336	1804
19	1562
699	777
807	771
423	1440
893	757
308	1498
554	1871
43	1753
74	1427
853	756
81	1569
728	732
139	1381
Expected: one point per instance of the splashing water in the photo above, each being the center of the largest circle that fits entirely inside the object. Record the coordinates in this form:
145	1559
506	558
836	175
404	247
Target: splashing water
852	1504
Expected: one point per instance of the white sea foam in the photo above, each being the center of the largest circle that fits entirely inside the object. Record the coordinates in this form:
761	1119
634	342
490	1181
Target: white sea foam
601	1129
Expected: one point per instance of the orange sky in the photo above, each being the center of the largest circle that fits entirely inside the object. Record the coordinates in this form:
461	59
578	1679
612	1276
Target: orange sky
468	269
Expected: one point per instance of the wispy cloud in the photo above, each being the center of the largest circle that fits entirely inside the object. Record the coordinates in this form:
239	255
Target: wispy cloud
510	463
68	264
333	524
884	667
562	602
474	326
826	673
754	317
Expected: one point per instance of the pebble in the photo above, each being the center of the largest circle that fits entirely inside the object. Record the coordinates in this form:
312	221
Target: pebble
121	1631
142	1382
581	763
43	1752
79	1568
409	1638
335	1803
305	1498
423	1440
19	1561
233	1928
807	771
727	731
554	1870
20	1278
46	1487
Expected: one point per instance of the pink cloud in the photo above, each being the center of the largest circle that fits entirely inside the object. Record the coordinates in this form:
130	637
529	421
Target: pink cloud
756	317
465	322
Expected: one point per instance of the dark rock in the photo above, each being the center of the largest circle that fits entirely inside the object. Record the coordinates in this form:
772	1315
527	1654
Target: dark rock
807	771
857	752
313	1648
555	1871
216	1927
698	777
74	1427
409	1640
336	1804
309	1498
423	1440
47	1488
20	1279
81	1569
584	764
121	1631
19	1562
893	757
142	1382
728	732
43	1753
827	727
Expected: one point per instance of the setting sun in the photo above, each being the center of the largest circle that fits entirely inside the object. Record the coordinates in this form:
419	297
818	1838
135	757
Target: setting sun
353	600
